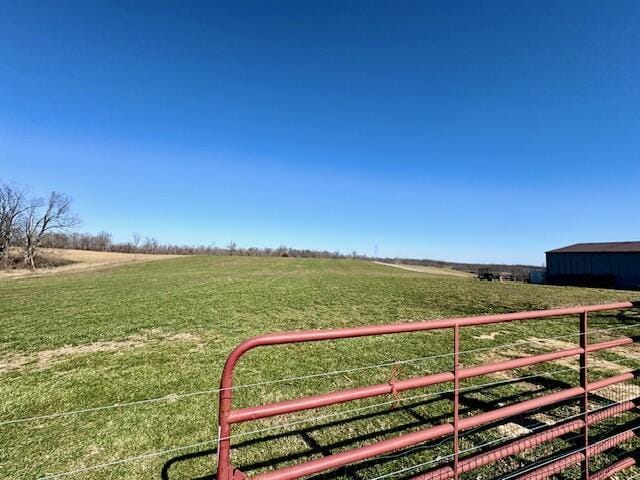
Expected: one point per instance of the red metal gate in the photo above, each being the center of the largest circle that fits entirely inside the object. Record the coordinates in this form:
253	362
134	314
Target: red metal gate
228	416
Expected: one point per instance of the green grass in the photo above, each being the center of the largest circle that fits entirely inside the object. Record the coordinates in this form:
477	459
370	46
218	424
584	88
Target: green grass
178	319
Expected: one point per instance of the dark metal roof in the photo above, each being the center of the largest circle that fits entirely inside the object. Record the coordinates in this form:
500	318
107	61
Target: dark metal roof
604	247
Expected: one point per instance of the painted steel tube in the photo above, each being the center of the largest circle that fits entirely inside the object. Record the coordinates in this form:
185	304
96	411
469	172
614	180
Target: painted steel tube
524	443
618	342
603	414
340	459
541	358
543	401
332	398
614	468
605	382
552	468
356	455
521	407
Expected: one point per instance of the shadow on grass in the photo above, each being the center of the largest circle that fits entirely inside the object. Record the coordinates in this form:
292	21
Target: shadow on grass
472	402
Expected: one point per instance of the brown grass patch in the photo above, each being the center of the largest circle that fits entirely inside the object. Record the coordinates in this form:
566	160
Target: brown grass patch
619	392
45	358
512	430
490	336
67	260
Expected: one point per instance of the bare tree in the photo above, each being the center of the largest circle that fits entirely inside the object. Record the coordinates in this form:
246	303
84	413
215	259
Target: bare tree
102	242
44	217
150	245
136	240
12	205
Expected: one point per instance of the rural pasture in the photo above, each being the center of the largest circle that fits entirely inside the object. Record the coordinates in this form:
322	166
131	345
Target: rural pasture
145	330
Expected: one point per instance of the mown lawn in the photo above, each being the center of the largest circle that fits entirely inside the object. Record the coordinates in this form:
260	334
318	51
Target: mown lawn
147	330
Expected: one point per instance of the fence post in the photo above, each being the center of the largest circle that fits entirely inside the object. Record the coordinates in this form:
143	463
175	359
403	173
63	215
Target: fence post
224	440
456	397
584	383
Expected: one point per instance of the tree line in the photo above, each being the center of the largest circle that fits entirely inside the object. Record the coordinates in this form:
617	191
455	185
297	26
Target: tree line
102	241
27	220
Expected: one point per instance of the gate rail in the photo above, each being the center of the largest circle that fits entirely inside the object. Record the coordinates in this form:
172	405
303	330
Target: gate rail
229	416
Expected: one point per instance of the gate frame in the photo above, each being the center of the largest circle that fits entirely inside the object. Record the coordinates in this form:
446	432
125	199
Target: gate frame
227	416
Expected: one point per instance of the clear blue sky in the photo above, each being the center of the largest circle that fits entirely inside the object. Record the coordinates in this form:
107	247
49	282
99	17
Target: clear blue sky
470	131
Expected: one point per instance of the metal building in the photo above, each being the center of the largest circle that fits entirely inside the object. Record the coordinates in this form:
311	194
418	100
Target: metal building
612	265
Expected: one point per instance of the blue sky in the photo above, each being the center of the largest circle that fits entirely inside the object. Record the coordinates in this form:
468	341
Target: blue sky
469	131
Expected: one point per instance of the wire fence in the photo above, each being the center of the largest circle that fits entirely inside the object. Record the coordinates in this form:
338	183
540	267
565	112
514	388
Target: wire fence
320	418
171	397
441	459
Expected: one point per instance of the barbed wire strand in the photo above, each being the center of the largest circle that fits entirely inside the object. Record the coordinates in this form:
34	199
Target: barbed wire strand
180	396
171	397
165	398
210	442
315	420
263	430
143	456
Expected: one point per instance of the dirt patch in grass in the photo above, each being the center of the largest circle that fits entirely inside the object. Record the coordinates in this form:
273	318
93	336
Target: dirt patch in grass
544	418
490	336
512	430
619	392
45	358
431	270
13	362
627	351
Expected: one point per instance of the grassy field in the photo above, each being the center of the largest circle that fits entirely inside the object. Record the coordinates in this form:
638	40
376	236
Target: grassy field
145	330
